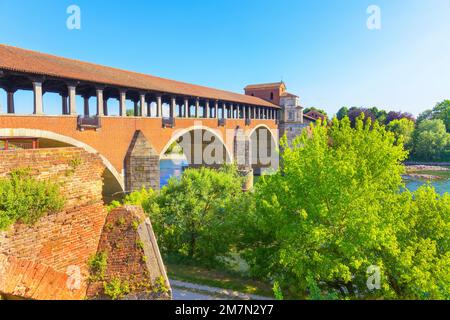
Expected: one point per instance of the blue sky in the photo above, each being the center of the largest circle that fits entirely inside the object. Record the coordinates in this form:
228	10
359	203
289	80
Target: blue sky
321	49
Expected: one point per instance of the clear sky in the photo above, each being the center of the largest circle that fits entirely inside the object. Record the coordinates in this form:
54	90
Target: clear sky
322	49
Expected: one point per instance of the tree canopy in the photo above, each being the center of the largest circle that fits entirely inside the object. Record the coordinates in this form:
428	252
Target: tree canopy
335	210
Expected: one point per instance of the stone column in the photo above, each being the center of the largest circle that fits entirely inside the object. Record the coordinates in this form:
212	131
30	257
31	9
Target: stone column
224	111
149	107
10	102
231	111
207	110
159	106
37	89
122	103
86	106
186	108
65	111
72	99
143	109
105	106
173	105
197	106
244	112
216	109
99	92
136	108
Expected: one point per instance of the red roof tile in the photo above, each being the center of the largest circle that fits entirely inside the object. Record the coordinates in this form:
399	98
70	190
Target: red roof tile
21	60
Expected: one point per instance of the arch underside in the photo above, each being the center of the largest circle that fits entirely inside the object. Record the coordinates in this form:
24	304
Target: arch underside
201	146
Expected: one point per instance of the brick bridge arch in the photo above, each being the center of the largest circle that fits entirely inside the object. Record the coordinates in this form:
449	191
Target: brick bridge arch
191	131
52	136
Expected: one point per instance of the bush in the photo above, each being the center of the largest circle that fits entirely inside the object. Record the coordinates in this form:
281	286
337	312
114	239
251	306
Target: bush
25	199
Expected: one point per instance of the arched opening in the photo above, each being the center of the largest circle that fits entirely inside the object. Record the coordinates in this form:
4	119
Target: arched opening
264	154
113	185
194	147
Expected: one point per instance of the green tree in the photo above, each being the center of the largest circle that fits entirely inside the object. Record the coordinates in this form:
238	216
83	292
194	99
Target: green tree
442	111
431	141
335	210
403	130
196	211
343	112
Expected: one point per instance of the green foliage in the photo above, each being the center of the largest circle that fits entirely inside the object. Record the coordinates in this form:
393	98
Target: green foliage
277	291
191	215
195	212
25	199
431	141
97	264
336	209
343	112
403	130
440	112
160	285
116	288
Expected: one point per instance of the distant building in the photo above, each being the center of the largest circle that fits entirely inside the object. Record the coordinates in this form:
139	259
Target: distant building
292	120
316	115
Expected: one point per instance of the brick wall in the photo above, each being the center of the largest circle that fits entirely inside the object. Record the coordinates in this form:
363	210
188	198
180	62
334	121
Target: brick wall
61	241
132	256
79	173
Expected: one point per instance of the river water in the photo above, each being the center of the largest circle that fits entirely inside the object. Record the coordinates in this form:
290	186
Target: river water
174	168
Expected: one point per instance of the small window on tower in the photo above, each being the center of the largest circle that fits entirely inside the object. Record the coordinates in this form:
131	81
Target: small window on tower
271	96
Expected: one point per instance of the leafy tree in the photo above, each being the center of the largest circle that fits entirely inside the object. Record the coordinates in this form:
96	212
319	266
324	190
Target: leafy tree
355	112
403	130
431	141
442	111
196	211
25	199
335	209
397	115
380	115
343	112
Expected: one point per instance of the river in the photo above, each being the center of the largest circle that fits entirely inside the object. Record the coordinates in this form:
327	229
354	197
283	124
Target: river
174	168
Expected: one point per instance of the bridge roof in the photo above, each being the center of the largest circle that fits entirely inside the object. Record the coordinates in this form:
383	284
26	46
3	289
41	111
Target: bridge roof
37	63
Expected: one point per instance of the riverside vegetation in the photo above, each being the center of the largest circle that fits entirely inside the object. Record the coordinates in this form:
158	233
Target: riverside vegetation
314	228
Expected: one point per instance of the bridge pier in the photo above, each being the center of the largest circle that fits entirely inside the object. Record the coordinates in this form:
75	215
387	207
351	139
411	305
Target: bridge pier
141	165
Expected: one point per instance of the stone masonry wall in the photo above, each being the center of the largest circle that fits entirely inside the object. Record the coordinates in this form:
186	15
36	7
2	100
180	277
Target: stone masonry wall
60	244
132	256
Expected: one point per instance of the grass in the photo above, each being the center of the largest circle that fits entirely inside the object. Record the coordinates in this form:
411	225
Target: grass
224	279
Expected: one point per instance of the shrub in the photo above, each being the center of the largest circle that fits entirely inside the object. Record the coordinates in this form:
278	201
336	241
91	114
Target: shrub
97	266
25	199
116	288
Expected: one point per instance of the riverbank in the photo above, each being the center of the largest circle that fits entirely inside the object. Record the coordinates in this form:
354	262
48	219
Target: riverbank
427	172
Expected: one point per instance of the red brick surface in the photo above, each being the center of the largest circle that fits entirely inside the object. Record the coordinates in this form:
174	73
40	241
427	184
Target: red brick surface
37	259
